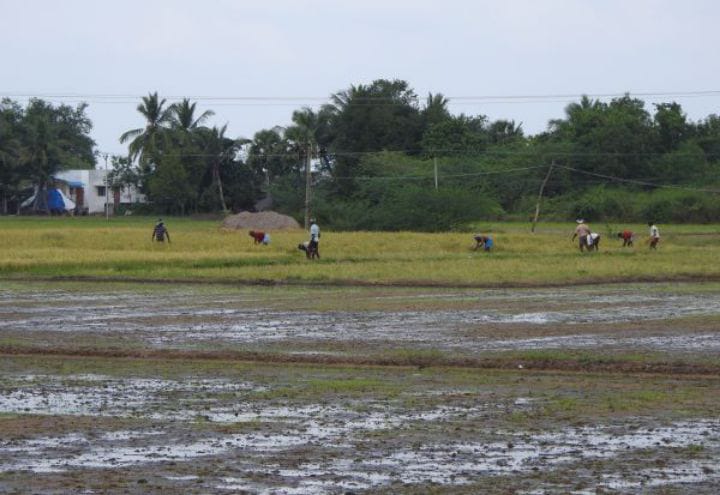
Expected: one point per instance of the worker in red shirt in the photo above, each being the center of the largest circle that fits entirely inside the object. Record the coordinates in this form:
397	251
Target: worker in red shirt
259	237
628	236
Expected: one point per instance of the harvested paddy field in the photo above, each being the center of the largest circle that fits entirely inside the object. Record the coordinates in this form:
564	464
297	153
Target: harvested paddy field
122	388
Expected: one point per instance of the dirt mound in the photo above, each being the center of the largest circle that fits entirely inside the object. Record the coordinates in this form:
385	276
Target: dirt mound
264	220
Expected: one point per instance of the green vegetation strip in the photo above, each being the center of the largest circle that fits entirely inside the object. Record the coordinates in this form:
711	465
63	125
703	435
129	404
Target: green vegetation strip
521	361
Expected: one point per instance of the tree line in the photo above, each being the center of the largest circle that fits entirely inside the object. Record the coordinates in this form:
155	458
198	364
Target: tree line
375	149
36	142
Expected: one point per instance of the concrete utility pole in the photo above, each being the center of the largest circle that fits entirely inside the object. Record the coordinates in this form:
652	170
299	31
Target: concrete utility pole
107	186
539	198
308	183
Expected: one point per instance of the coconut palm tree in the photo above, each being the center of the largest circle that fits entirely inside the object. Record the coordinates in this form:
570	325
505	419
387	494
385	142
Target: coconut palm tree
181	116
149	140
435	110
220	150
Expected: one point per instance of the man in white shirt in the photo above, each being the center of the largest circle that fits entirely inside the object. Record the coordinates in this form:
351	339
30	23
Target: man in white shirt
313	245
654	235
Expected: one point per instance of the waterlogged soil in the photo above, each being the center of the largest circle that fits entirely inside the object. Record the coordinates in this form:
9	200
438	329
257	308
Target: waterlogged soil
261	429
74	424
667	319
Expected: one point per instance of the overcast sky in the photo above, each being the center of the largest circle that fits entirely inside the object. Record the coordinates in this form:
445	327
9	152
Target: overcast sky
112	53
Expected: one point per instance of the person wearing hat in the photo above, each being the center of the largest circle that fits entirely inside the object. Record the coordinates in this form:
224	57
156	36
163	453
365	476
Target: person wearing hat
582	232
160	232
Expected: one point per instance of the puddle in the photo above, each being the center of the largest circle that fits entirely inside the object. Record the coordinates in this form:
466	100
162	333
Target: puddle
97	395
338	464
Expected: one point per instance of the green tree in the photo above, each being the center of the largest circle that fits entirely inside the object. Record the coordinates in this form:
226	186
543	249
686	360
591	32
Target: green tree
10	174
146	143
672	126
383	115
53	139
504	131
219	151
615	139
272	155
435	110
169	188
461	135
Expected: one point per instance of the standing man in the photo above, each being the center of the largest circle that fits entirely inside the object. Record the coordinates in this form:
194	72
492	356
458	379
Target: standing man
160	232
654	235
313	245
582	231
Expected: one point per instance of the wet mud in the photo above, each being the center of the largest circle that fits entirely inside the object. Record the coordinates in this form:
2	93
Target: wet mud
500	320
174	430
143	425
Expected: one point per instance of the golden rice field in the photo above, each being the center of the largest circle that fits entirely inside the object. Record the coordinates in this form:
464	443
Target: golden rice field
200	250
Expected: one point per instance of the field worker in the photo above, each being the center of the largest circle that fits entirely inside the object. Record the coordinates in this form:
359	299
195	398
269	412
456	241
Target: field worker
582	231
314	243
482	240
160	232
594	241
259	237
654	235
628	237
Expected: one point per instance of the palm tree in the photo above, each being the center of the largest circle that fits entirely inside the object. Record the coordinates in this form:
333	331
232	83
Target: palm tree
502	131
144	141
219	150
435	110
312	128
182	116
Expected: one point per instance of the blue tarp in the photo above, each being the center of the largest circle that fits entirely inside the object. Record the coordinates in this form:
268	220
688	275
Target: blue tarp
55	200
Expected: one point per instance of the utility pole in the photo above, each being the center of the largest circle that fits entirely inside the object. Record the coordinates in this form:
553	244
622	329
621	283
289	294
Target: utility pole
107	186
436	175
308	182
539	198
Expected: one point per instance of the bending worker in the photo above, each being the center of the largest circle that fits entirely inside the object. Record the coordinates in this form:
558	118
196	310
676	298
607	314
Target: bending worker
582	231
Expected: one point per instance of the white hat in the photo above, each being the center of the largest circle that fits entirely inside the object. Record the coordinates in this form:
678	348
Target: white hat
580	220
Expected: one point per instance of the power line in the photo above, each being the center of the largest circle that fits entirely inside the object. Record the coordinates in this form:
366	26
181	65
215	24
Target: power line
284	100
639	182
448	176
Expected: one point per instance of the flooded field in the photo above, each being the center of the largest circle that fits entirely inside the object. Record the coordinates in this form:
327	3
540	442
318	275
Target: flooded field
75	423
321	320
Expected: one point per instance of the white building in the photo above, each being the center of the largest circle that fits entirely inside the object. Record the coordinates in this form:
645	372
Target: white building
87	188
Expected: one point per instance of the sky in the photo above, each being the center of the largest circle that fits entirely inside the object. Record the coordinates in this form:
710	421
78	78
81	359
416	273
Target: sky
254	62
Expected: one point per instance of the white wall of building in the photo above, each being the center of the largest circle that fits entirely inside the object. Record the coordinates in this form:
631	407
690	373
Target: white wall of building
93	182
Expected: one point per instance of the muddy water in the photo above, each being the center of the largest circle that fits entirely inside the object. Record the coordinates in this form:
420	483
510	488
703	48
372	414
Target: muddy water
256	433
335	447
186	318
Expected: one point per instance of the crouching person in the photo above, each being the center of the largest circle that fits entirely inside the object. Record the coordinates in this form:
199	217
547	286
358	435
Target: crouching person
310	249
593	241
259	237
483	241
628	237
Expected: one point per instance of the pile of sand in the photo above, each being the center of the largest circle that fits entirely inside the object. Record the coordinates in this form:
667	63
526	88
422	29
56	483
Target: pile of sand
263	220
